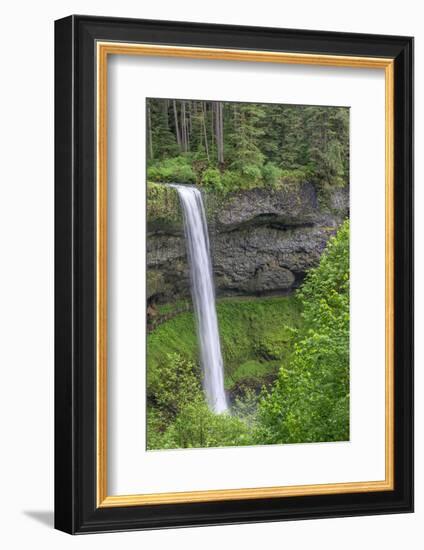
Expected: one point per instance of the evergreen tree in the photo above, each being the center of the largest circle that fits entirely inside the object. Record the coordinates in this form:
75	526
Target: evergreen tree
162	142
250	143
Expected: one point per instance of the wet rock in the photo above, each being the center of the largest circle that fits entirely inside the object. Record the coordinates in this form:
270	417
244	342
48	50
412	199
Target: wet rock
262	242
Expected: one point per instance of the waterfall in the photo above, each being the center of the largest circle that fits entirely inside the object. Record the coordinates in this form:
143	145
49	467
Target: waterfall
203	295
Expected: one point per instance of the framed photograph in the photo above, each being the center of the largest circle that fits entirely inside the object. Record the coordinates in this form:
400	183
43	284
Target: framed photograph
233	274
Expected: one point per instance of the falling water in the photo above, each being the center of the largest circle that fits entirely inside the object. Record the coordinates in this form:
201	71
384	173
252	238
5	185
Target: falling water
202	290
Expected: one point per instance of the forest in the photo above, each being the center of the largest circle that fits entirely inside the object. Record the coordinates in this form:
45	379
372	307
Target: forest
228	145
275	184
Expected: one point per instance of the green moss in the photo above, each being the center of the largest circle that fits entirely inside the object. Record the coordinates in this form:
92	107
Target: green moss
256	328
155	282
163	309
255	338
175	336
162	205
252	373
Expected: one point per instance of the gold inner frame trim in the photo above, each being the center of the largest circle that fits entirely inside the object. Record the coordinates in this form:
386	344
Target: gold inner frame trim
103	50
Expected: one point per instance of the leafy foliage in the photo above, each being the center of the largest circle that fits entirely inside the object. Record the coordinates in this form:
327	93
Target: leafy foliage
178	169
211	179
196	426
310	400
181	417
178	385
271	174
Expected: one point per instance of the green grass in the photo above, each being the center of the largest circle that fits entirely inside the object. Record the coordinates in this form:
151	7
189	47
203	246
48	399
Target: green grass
255	339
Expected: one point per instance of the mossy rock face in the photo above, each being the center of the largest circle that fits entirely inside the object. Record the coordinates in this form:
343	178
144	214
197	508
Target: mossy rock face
253	375
256	339
155	282
163	210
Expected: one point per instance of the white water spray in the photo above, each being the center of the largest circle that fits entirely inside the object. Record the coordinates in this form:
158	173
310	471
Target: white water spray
203	295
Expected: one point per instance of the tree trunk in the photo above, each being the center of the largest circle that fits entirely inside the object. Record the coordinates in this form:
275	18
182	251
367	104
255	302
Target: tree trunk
222	131
149	126
183	127
204	129
177	130
219	132
188	124
165	113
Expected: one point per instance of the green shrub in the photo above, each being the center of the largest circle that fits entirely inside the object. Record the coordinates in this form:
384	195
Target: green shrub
181	418
178	384
176	337
270	174
251	174
211	179
230	181
297	175
177	169
197	426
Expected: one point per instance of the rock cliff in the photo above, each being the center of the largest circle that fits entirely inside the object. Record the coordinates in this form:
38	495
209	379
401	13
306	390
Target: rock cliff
262	241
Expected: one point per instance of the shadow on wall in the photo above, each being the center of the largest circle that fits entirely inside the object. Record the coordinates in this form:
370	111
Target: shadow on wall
46	517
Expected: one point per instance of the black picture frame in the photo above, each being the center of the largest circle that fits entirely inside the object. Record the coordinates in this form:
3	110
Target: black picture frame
76	510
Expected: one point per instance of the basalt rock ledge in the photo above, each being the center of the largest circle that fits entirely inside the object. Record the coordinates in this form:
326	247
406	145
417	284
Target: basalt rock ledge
262	241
